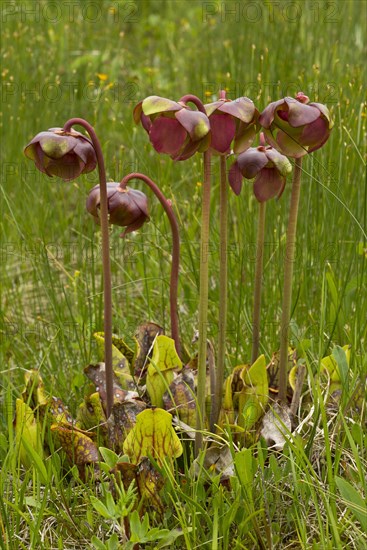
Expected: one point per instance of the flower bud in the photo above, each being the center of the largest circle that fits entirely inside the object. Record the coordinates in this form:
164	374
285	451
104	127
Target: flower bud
63	154
296	127
126	207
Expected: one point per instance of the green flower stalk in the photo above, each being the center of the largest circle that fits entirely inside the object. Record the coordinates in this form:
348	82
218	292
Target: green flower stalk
295	127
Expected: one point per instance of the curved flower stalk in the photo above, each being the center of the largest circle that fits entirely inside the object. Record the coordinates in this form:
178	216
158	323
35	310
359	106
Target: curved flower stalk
173	127
295	127
230	122
66	153
269	168
175	247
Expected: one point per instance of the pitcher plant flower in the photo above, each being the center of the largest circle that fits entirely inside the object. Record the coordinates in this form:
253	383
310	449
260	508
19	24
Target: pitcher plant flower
126	207
173	128
295	126
267	166
63	154
232	121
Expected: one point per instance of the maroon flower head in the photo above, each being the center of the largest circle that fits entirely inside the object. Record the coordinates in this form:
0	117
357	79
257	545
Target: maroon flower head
126	207
296	127
232	121
63	154
267	166
173	128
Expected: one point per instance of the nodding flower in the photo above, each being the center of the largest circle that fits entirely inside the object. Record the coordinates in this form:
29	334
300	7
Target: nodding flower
296	127
63	154
267	166
126	207
232	121
173	128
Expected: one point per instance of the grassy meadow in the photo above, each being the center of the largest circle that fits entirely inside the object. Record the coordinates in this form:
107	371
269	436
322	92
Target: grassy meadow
96	60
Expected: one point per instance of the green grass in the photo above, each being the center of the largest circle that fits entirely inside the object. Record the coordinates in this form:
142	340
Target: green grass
51	272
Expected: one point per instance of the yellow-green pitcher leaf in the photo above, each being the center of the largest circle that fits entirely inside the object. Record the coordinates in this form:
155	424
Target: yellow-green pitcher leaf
122	354
77	444
330	364
253	397
161	368
180	397
153	435
28	429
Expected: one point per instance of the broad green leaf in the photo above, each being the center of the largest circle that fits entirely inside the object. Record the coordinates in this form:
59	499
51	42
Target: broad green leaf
98	544
153	435
109	456
342	358
110	504
161	368
113	542
245	467
100	507
354	501
27	433
138	528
